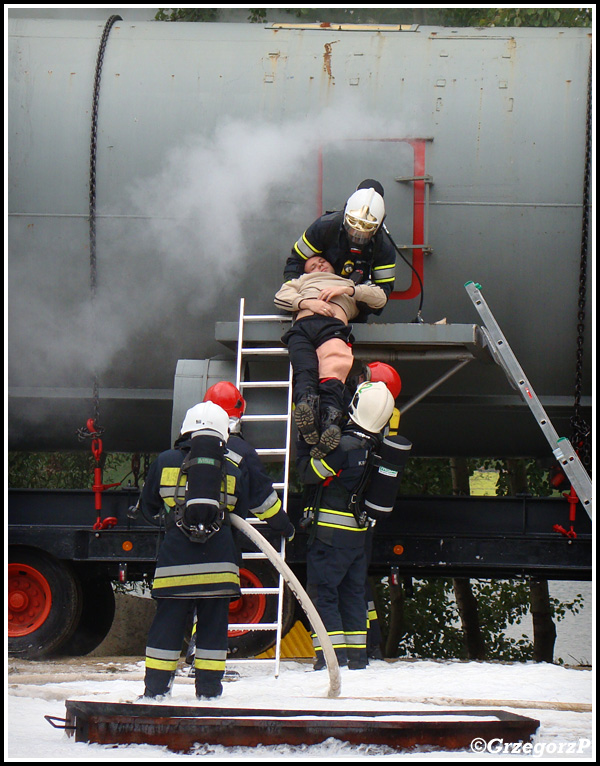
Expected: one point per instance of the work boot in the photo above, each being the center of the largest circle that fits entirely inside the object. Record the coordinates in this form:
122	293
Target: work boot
357	664
306	415
331	433
208	691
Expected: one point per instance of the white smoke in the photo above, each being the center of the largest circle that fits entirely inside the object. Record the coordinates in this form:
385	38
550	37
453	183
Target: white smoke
215	224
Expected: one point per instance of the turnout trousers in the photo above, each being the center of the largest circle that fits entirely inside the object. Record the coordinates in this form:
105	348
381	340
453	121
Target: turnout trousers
336	584
165	643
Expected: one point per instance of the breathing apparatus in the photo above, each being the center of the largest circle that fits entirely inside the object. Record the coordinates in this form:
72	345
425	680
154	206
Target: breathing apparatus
200	513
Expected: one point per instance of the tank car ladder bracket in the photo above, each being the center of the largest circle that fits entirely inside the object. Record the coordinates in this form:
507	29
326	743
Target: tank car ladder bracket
504	356
279	451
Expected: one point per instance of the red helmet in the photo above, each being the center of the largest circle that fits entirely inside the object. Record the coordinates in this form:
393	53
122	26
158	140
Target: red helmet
226	395
379	371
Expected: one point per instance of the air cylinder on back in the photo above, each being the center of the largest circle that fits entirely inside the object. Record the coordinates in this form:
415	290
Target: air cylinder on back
386	475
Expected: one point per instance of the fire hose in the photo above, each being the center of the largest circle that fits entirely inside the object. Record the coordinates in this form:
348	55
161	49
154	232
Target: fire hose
335	684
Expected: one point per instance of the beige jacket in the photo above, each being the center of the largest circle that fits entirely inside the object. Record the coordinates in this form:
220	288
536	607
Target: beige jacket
310	285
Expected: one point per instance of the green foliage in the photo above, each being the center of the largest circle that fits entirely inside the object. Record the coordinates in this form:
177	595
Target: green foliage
255	16
448	17
187	14
64	470
431	617
427	476
432	621
537	477
525	17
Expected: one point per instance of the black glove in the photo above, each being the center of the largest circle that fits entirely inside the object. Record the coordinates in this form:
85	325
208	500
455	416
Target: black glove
289	532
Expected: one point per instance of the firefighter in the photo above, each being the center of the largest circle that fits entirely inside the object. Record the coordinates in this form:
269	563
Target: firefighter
377	371
252	483
206	476
353	241
319	344
337	556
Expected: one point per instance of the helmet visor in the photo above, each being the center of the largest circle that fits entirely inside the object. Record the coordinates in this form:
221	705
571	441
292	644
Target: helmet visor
361	224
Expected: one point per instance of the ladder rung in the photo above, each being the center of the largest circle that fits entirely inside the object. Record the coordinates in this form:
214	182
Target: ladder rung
265	591
266	318
266	384
253	626
271	451
248	555
265	351
258	418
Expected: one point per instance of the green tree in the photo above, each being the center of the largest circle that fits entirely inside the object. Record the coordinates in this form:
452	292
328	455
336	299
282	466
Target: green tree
431	625
68	470
450	17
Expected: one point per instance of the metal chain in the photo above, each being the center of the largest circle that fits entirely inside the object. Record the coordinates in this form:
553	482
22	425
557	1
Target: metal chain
84	432
581	430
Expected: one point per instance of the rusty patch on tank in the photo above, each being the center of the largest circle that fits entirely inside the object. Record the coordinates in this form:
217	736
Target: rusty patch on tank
327	60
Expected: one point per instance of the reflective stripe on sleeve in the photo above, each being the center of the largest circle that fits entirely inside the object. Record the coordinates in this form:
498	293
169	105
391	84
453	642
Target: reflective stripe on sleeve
304	249
268	508
384	273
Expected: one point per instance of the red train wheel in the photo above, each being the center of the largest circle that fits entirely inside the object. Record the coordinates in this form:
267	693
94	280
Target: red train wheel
29	599
249	608
44	602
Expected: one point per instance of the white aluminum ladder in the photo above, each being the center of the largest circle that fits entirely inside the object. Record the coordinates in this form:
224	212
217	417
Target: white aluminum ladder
505	357
281	451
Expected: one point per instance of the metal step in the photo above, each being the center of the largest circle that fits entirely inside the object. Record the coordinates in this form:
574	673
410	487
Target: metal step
265	418
253	626
259	351
265	384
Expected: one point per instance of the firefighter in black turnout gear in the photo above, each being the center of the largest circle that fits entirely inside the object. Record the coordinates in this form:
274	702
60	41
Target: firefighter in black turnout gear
353	241
337	490
205	477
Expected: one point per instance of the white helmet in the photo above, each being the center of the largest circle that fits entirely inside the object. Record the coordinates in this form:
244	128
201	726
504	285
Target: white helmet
372	406
206	416
363	215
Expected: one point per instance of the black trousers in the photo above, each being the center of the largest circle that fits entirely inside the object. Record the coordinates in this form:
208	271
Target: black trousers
302	340
165	642
336	584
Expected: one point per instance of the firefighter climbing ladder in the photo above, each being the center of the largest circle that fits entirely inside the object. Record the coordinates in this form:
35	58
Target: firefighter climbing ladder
282	451
504	356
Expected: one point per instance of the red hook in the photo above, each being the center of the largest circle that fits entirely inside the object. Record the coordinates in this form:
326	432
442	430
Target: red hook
572	499
98	487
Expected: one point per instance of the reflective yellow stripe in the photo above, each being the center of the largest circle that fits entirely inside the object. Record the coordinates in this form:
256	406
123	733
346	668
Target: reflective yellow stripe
304	249
195	579
161	664
350	525
320	475
209	664
274	509
341	526
324	465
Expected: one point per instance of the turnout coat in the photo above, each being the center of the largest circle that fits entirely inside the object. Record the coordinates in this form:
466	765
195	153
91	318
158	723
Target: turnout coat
187	569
